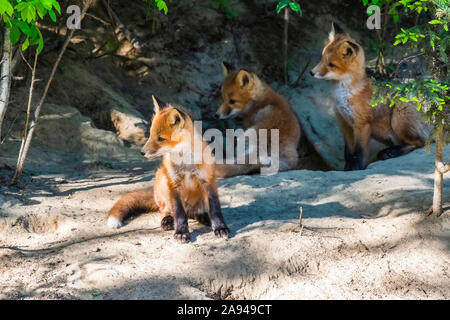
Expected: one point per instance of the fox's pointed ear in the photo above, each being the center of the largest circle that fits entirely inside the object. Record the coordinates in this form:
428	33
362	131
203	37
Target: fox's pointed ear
156	104
176	119
335	30
226	68
243	78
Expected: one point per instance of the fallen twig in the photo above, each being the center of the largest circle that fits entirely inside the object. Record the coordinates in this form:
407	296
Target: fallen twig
300	75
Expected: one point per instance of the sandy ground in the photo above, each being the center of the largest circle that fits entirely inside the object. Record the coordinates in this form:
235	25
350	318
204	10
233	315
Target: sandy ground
364	236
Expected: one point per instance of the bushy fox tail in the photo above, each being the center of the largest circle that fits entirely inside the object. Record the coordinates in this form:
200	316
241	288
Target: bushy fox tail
139	201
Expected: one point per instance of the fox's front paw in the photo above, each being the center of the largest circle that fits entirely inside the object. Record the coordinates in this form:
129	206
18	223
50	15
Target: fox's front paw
167	223
182	236
222	232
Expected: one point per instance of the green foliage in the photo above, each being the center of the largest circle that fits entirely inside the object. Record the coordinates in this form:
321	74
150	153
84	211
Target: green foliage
431	39
20	16
223	5
226	8
294	5
390	4
161	5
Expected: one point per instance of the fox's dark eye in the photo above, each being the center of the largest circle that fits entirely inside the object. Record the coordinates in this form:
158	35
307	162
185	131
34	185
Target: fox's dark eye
232	101
331	65
161	139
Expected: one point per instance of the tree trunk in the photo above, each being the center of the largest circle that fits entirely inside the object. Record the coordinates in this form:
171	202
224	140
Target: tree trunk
5	77
26	143
285	44
439	170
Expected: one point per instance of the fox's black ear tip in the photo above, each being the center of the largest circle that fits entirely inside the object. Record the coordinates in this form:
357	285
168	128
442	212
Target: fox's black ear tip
337	28
227	65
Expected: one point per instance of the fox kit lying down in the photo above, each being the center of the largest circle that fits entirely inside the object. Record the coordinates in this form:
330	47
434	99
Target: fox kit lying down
181	189
400	127
245	96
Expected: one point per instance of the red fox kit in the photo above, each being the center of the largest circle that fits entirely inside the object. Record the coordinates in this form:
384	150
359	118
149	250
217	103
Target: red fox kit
400	128
260	107
181	190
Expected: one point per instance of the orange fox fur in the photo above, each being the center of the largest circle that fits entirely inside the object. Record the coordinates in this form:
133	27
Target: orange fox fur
260	107
181	190
399	127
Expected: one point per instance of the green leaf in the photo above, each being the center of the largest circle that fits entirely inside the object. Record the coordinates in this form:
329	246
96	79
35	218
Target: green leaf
281	5
25	28
295	7
40	42
25	44
395	18
28	13
14	35
57	6
48	4
5	6
52	15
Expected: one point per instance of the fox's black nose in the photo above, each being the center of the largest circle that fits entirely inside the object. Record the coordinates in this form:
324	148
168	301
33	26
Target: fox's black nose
311	73
142	152
216	116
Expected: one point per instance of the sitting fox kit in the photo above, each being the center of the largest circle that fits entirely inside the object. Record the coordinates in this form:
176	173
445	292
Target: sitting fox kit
246	97
400	127
181	190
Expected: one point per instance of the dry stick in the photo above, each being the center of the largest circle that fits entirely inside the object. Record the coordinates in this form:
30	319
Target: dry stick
300	224
23	155
5	76
30	98
300	75
381	36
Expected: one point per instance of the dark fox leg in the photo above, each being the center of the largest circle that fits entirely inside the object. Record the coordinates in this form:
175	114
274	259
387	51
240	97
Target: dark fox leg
181	219
215	214
359	157
348	156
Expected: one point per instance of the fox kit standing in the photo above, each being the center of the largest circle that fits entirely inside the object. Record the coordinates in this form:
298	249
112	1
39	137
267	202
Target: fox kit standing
245	96
399	127
181	189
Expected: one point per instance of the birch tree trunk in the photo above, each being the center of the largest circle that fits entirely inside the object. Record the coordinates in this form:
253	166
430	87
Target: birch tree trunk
5	76
439	170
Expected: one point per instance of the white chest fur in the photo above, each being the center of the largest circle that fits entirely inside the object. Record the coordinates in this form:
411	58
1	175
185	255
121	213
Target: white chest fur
342	95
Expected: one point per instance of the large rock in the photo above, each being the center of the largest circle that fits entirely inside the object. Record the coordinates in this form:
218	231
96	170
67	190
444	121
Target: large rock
108	108
63	128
